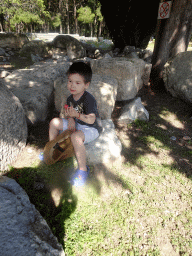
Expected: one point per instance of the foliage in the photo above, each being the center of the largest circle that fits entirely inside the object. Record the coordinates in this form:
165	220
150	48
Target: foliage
21	11
85	15
47	15
56	20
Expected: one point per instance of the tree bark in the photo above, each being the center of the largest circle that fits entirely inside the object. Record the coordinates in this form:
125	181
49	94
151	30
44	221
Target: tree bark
75	16
172	37
67	9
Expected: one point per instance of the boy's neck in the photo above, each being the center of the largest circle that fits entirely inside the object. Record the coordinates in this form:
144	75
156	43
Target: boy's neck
77	97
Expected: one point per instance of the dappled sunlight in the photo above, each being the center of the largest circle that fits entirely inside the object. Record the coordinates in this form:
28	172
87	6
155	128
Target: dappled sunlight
161	140
56	194
173	119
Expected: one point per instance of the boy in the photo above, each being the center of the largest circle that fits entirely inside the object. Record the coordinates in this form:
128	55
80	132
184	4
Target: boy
81	117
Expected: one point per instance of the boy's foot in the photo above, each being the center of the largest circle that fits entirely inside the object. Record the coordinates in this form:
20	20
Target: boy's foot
41	156
80	177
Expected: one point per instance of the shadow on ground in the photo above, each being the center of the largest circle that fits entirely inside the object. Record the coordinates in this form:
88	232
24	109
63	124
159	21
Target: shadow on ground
170	125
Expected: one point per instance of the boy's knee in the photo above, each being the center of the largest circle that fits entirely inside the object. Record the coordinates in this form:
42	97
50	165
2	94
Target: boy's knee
77	137
55	122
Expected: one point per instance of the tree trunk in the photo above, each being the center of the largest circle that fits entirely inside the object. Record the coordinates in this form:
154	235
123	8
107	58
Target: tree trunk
67	9
75	17
100	28
172	37
130	23
91	28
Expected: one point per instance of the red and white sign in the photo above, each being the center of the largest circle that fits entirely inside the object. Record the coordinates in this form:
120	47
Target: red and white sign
164	10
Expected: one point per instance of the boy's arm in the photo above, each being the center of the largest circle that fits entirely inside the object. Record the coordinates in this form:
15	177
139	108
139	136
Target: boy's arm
89	119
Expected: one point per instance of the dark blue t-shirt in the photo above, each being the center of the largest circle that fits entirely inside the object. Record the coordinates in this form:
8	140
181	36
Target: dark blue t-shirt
85	105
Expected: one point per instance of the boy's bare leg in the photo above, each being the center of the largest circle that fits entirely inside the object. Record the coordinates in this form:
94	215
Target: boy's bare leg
55	126
77	139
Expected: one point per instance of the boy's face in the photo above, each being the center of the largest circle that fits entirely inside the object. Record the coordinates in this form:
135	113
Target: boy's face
76	85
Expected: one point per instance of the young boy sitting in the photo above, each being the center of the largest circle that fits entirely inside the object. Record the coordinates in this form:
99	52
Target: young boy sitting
80	117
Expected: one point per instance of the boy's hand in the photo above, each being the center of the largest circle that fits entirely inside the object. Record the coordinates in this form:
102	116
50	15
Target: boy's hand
71	112
71	124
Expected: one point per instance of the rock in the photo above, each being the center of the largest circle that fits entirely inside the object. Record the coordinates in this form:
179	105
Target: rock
2	52
132	55
34	48
34	88
127	72
36	58
74	48
4	73
102	87
97	54
107	56
177	76
146	74
106	148
24	232
13	127
61	93
146	55
128	49
134	110
59	54
14	41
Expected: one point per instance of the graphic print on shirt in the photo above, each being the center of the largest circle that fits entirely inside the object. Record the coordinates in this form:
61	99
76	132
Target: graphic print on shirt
78	108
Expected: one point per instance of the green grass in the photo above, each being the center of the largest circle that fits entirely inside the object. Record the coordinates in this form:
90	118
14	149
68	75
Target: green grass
140	208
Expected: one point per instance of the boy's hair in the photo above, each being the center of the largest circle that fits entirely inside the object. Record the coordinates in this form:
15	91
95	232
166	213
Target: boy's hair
82	69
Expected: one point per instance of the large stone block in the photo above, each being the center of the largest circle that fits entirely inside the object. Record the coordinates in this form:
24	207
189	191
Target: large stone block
15	41
13	127
24	232
177	76
106	148
128	72
73	47
34	88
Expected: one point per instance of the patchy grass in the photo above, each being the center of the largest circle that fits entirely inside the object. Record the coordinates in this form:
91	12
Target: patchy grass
141	207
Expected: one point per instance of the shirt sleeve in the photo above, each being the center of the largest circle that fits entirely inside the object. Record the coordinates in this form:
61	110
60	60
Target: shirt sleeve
90	105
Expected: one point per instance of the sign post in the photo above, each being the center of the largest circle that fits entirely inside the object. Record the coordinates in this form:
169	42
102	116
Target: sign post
164	10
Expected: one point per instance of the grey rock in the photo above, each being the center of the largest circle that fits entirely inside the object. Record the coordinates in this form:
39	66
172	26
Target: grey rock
177	76
146	74
128	49
73	47
128	73
13	127
34	88
107	56
132	55
146	55
24	232
36	58
4	73
34	48
14	41
2	52
106	148
134	110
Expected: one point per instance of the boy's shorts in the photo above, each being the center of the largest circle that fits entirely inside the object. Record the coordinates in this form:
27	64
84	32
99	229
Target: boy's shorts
90	133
